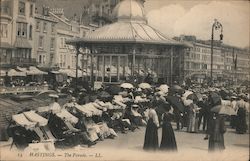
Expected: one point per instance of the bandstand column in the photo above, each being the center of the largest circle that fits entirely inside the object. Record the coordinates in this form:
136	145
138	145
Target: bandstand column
138	64
92	69
97	68
103	68
110	65
133	65
171	65
118	68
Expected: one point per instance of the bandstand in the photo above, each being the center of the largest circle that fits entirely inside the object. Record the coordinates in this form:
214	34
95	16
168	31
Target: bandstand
130	48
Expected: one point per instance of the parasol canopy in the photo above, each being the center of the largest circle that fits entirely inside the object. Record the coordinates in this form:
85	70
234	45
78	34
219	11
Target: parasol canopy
103	94
224	110
215	98
21	120
187	93
177	88
113	89
34	117
192	97
164	88
144	85
187	102
127	85
65	115
176	103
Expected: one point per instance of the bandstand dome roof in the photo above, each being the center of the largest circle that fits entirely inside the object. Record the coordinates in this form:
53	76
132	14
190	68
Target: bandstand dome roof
129	10
130	27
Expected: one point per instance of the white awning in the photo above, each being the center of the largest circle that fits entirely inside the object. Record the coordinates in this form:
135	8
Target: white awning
21	120
34	117
34	71
72	72
13	72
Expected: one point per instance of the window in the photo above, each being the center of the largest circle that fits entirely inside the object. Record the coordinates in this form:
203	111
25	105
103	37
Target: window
52	28
37	25
83	33
40	43
64	63
22	30
3	30
51	58
44	58
45	27
61	42
52	43
30	32
40	59
19	29
61	60
21	8
65	45
204	66
31	10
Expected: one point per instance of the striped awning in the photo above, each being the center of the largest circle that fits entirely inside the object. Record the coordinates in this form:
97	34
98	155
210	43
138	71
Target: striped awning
5	45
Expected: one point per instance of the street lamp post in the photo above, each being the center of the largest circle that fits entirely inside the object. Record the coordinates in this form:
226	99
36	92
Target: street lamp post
216	26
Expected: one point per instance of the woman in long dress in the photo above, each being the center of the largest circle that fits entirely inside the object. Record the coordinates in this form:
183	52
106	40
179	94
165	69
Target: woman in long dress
168	141
192	118
151	134
241	123
216	130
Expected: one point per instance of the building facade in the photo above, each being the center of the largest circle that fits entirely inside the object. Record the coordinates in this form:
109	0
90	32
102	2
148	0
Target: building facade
65	55
45	38
16	30
230	64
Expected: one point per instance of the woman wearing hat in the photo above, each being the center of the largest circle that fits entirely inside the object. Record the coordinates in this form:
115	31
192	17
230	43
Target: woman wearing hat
241	123
216	130
151	134
168	141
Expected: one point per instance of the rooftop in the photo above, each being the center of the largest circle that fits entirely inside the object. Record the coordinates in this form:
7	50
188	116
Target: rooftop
131	27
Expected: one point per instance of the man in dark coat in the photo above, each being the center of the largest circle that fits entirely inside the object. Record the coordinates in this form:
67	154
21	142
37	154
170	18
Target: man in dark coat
204	112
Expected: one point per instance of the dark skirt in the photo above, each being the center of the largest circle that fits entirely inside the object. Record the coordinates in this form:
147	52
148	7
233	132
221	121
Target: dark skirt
216	142
151	136
241	126
168	141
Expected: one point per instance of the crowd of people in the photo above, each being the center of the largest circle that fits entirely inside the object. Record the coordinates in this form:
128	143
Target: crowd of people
106	113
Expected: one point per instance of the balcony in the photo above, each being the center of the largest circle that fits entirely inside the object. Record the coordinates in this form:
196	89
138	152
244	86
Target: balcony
23	61
5	12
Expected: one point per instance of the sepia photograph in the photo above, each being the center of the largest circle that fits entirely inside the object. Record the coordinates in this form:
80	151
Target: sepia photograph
124	80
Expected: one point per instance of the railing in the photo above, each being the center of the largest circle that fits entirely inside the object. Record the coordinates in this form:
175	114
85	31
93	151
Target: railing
23	61
25	89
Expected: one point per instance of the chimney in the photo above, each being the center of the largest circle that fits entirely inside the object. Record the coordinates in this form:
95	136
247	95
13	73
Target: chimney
45	10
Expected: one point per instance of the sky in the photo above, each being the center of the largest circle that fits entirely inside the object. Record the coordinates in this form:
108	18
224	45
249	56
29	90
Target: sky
193	17
190	17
